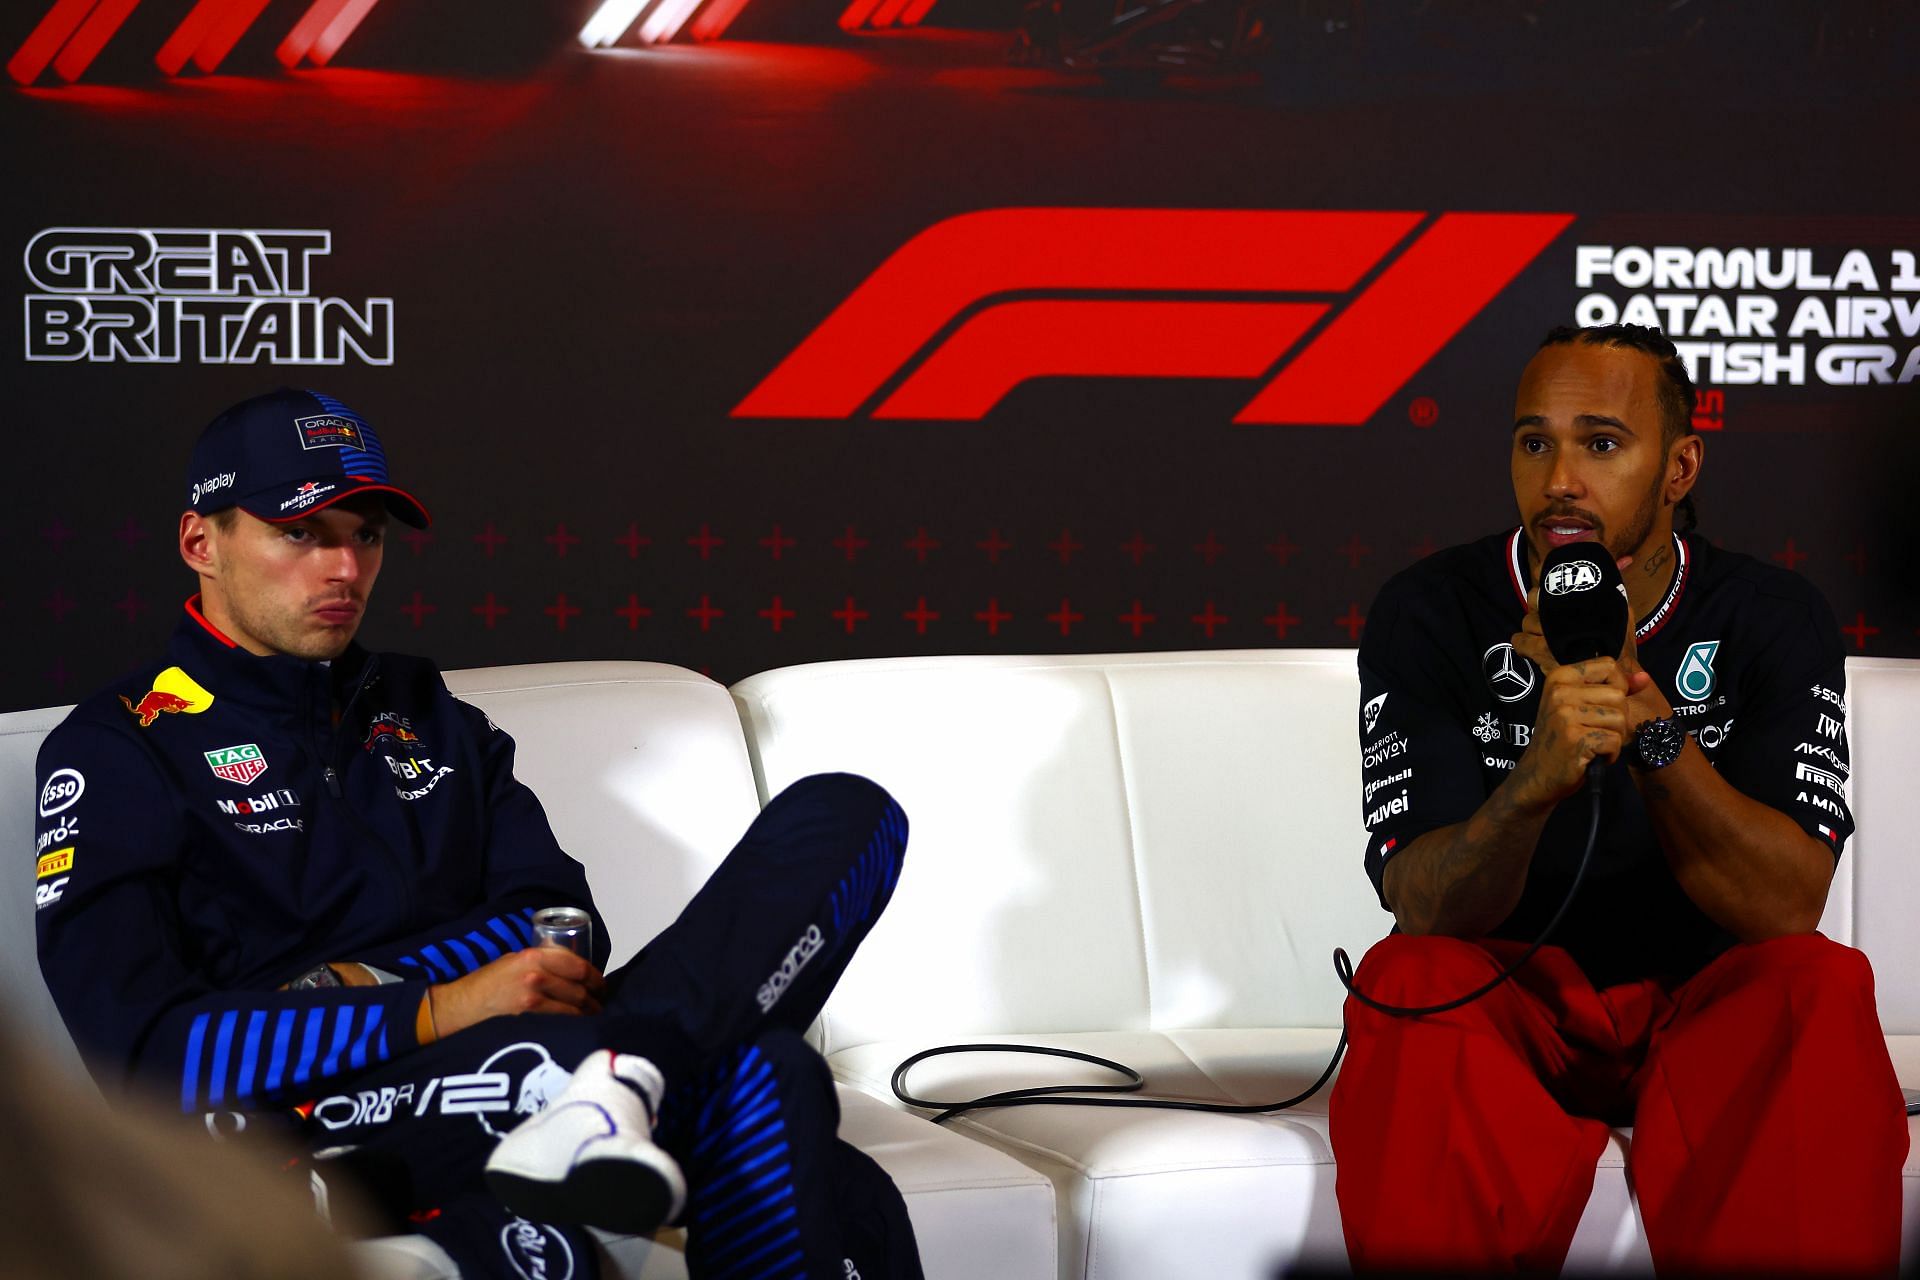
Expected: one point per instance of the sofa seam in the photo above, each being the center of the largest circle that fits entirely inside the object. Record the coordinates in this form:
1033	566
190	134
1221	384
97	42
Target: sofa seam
1195	1064
993	1136
1133	841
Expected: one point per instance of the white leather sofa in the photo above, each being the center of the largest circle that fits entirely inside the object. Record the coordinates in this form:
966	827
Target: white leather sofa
1149	857
644	774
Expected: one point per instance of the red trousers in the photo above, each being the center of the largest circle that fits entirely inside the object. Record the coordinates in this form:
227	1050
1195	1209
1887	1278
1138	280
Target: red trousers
1768	1132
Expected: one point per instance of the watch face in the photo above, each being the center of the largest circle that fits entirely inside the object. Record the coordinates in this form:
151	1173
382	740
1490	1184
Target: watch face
318	976
1658	744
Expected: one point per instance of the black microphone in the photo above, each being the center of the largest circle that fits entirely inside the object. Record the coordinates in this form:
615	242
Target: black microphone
1583	612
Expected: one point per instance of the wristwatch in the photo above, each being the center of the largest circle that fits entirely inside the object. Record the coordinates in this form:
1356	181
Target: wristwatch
1657	744
321	975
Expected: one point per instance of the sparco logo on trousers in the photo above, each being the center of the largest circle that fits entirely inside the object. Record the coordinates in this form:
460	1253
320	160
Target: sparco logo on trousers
975	305
802	951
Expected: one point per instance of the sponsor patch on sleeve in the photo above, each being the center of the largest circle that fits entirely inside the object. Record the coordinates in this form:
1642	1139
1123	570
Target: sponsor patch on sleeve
56	863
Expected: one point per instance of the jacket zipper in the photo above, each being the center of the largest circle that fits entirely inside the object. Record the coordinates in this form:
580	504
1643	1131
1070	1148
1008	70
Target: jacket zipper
338	792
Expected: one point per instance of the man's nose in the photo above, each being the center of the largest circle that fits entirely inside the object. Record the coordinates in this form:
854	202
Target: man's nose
343	564
1565	480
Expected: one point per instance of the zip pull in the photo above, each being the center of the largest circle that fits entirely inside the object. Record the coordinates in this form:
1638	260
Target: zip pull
333	781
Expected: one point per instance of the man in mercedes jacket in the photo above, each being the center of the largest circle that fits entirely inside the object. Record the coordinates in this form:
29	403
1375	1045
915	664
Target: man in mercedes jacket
1684	992
284	880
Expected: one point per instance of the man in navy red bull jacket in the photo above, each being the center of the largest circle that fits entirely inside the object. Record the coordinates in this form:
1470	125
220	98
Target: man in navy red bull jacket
279	875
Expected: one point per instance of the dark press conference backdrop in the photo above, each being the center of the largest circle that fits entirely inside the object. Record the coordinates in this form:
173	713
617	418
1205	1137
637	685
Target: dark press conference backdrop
776	332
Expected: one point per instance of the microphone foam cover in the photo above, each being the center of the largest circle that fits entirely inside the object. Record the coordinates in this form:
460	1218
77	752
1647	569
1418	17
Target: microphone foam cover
1583	603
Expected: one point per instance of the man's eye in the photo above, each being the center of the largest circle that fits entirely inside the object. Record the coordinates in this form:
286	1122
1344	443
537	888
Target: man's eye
296	534
1605	444
1533	444
372	537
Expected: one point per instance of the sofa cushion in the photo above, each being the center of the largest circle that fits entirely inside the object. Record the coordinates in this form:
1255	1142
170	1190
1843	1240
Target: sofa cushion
1119	842
1249	1193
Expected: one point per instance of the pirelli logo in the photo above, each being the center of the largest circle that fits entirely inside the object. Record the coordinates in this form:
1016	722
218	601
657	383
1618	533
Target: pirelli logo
59	862
1819	777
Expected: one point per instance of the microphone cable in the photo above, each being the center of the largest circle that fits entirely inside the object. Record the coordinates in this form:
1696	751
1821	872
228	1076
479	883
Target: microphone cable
1049	1095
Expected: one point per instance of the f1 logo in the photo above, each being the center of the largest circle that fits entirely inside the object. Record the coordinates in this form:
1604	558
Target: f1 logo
973	306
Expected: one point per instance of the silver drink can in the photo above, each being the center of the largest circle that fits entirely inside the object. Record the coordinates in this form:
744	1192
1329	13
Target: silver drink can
567	927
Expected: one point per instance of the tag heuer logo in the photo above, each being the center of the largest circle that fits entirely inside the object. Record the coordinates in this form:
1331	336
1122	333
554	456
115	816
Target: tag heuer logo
241	764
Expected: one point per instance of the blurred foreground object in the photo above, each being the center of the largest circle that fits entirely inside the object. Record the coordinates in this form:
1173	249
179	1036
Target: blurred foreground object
133	1192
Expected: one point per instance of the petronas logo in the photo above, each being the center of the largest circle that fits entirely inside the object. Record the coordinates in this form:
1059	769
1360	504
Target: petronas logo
1695	681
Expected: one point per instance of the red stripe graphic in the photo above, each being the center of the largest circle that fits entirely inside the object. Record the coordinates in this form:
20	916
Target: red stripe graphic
857	14
916	11
1413	310
968	259
225	31
92	38
188	36
887	14
335	34
715	18
1003	346
54	30
299	40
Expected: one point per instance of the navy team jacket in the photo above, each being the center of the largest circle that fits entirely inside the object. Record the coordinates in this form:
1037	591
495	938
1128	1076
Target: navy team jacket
209	829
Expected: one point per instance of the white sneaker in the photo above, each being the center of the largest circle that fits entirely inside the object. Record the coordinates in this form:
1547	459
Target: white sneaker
589	1158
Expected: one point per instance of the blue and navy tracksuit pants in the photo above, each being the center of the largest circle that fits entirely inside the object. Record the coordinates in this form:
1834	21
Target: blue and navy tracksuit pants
718	1001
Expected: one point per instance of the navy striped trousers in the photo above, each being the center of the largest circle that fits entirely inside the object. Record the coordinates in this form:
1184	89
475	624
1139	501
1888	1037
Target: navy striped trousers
718	1001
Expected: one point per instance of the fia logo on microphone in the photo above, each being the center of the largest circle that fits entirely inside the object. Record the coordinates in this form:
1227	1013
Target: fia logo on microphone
1695	680
1575	575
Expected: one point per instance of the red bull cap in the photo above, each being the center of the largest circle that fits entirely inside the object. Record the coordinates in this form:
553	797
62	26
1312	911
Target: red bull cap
290	453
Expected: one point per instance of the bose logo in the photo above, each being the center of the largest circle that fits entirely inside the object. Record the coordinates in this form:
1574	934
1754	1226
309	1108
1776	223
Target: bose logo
1565	579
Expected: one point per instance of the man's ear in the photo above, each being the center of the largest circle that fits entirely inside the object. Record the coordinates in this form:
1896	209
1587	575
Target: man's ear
197	535
1683	467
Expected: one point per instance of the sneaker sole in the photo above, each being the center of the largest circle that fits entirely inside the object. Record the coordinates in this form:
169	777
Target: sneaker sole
621	1195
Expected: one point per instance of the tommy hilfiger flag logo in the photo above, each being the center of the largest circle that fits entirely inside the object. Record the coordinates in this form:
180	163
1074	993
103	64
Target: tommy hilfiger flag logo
241	764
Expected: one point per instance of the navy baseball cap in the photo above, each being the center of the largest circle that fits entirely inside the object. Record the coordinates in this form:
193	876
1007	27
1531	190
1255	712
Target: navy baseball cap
290	453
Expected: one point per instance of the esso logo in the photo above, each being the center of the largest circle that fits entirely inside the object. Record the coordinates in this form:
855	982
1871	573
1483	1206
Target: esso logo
1565	579
62	789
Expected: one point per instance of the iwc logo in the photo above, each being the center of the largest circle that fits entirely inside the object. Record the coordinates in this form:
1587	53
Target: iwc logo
1695	680
1510	676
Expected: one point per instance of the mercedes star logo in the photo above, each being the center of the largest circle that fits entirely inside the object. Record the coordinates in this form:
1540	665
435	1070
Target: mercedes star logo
1510	676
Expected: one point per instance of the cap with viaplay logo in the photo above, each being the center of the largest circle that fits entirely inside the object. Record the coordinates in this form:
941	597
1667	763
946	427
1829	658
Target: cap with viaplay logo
288	454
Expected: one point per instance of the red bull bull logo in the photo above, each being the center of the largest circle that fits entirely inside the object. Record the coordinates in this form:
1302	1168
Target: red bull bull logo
174	693
386	726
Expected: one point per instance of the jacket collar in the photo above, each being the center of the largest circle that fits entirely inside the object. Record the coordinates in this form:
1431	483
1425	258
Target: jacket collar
275	683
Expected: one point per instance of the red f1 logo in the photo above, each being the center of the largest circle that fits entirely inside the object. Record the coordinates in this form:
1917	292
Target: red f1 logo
966	303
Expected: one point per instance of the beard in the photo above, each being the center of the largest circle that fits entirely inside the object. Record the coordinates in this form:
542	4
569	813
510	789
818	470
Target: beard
1638	526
